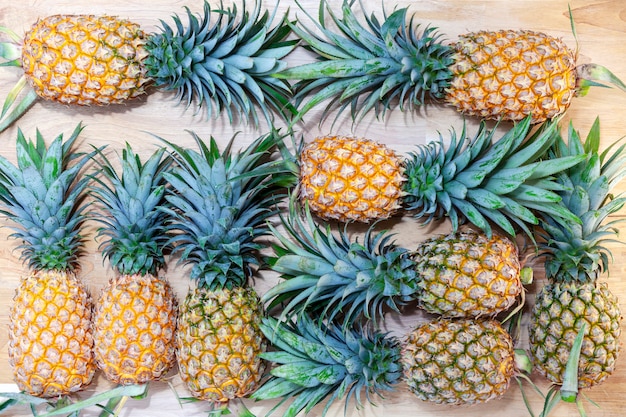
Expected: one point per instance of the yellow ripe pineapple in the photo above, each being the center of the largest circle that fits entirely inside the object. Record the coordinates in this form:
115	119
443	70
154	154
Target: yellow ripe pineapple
482	180
219	206
223	65
135	314
50	334
505	74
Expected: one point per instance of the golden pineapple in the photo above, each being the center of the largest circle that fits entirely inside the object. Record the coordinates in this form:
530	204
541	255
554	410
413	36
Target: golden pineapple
510	74
85	59
350	179
504	74
135	314
50	334
224	60
481	179
217	214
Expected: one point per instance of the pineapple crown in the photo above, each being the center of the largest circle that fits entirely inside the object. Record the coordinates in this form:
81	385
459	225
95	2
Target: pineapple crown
329	275
44	197
483	181
316	361
133	223
368	66
227	65
576	252
219	204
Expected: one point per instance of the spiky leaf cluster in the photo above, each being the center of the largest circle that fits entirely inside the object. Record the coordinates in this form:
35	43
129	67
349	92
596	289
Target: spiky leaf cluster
133	223
224	65
44	196
331	276
576	251
371	65
219	204
483	180
318	362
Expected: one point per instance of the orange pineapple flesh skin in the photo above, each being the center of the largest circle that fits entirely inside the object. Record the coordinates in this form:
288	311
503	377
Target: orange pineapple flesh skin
85	59
218	343
350	179
50	334
509	74
135	326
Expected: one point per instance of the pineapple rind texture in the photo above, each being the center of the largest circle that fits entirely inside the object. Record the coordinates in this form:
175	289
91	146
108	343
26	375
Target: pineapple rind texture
510	74
560	310
50	335
134	328
458	362
467	274
350	179
85	60
219	343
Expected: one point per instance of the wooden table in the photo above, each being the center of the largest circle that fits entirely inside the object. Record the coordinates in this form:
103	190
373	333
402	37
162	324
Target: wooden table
601	27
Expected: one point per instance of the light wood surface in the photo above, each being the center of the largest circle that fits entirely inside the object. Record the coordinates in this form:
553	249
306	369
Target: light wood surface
601	28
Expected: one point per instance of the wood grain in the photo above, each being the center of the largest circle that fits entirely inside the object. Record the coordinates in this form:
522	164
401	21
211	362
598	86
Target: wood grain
601	27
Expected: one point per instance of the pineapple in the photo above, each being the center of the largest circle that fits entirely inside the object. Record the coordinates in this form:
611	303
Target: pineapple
458	362
220	203
135	315
462	274
50	335
480	179
505	74
222	65
575	257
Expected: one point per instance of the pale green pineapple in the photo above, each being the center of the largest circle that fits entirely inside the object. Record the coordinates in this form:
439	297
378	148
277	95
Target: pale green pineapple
576	256
220	203
336	277
135	314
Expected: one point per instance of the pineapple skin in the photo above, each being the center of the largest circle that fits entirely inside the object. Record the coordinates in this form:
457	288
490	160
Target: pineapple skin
467	274
85	59
458	362
50	334
219	343
558	313
350	179
510	74
134	329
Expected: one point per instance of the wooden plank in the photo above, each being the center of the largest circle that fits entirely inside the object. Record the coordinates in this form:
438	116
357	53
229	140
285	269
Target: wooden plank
601	31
